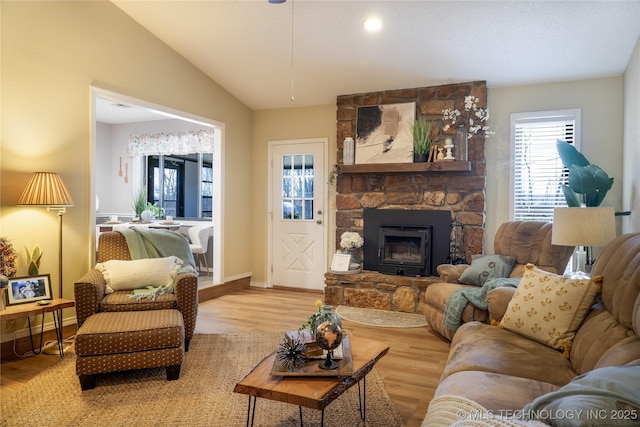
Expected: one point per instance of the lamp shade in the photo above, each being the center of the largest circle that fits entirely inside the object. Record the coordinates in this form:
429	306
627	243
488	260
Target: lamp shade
592	226
45	189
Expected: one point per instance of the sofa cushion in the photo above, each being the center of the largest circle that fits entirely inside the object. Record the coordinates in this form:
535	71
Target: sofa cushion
436	297
480	347
496	392
123	301
136	274
484	267
114	333
549	308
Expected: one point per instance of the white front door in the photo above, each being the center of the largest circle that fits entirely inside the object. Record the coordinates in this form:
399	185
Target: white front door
297	214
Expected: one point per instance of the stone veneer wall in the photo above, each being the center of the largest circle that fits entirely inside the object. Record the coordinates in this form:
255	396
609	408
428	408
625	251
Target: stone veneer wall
462	193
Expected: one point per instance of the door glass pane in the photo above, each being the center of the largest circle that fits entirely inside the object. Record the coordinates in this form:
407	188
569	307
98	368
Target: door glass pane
308	209
297	209
308	176
297	186
286	176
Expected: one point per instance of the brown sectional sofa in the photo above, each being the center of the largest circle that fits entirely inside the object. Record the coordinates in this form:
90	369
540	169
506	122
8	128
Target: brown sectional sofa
502	371
528	241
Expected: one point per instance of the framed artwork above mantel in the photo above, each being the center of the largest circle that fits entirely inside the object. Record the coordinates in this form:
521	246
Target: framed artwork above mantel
383	133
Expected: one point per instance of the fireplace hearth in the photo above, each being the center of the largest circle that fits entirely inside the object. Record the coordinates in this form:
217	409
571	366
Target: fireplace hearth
405	242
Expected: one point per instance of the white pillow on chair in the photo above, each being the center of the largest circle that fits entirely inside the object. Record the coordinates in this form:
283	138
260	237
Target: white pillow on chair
136	274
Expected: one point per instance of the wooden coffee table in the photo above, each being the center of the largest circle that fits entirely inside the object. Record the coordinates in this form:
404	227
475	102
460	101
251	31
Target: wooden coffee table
310	391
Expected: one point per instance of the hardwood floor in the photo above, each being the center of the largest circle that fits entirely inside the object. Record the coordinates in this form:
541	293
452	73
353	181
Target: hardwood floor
410	370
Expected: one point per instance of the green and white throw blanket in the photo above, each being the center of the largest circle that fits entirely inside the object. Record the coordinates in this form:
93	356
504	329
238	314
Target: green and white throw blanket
477	296
145	243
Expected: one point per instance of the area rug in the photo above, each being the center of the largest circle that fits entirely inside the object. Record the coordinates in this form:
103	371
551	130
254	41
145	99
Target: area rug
203	396
382	318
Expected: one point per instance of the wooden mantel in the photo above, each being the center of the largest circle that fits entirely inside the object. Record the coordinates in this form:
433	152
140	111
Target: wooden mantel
444	166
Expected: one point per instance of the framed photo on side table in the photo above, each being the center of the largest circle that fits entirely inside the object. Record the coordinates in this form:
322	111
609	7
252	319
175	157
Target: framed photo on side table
22	290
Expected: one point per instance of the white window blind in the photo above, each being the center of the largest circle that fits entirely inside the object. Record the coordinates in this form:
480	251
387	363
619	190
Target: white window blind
537	168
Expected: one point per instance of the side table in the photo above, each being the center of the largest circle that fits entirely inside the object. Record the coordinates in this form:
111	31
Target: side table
21	311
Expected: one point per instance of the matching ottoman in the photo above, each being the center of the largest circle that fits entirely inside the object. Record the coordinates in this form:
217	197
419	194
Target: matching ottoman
122	341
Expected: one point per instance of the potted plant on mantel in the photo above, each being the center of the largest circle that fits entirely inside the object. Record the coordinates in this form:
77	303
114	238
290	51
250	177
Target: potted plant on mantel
421	139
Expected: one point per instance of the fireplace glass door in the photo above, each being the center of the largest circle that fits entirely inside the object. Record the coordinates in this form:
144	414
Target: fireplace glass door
405	250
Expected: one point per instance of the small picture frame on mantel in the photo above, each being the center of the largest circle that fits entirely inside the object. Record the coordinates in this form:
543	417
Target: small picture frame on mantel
340	263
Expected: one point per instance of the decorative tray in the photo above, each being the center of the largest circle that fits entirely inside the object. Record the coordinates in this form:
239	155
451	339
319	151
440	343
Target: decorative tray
315	357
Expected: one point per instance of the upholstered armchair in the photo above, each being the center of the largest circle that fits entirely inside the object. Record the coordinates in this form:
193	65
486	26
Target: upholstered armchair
91	296
516	244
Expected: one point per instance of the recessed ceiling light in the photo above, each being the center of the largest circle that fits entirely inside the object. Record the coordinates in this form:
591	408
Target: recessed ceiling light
372	24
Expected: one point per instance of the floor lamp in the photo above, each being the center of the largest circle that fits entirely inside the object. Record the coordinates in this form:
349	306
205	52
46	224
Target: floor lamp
47	189
582	227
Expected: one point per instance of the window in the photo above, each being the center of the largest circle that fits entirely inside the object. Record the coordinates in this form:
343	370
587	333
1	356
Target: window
537	168
206	193
181	184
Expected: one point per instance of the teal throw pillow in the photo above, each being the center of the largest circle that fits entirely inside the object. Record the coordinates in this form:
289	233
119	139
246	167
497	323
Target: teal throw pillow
484	267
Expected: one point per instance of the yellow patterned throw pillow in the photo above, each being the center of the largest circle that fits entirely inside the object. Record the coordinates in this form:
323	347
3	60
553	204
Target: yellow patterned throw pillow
549	308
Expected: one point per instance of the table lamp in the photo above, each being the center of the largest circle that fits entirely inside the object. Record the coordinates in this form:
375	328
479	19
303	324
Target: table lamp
582	227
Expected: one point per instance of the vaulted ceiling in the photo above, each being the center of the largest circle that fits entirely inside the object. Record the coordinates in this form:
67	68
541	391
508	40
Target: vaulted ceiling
265	54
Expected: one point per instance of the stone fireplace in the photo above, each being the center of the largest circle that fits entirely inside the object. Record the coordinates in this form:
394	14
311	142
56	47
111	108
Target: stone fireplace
450	190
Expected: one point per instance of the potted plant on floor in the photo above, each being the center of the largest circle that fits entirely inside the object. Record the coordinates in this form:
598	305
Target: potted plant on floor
421	139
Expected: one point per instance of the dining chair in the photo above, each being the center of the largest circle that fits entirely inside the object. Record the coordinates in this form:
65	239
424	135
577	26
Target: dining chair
199	236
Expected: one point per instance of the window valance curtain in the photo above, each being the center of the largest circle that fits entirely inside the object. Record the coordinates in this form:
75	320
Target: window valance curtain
188	142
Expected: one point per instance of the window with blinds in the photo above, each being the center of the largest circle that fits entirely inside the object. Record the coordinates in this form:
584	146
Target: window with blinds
537	168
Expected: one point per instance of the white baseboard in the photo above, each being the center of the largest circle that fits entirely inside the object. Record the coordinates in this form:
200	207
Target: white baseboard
35	329
237	277
255	284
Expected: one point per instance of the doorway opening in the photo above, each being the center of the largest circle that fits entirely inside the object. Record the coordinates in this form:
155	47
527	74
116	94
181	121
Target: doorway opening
117	177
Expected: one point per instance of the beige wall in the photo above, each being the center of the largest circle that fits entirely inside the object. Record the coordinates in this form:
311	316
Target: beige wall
51	53
599	99
631	187
276	125
601	102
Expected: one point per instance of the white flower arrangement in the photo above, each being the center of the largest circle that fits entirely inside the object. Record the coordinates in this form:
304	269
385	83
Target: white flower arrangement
351	240
475	119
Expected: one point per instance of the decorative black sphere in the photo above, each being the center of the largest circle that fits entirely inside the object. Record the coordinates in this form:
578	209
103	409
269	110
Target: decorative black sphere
328	335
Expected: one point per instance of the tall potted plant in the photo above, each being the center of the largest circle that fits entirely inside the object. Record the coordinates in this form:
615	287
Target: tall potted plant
421	139
588	183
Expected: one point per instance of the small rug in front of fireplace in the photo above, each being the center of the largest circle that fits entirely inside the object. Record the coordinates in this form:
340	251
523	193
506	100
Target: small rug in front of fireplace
381	318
